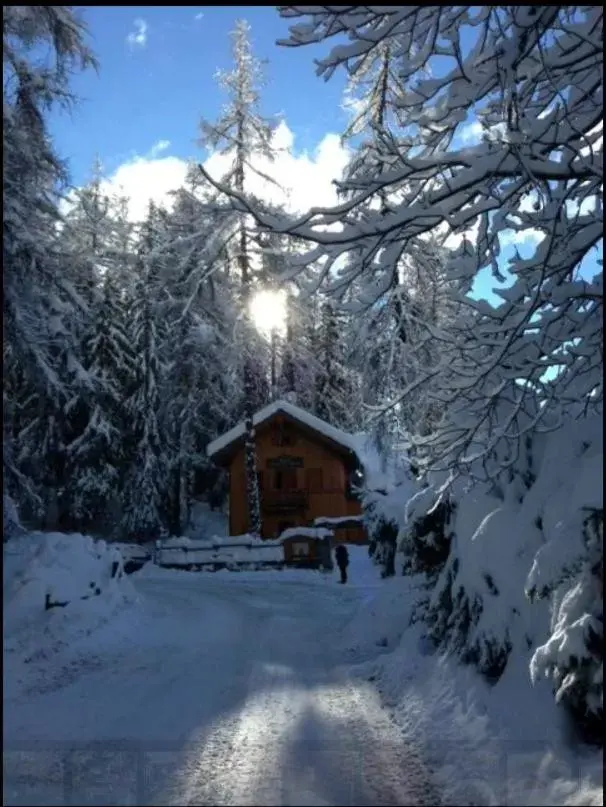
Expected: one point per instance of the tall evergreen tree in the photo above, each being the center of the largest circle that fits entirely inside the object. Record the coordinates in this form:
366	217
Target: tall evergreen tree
337	390
97	455
41	361
145	484
244	134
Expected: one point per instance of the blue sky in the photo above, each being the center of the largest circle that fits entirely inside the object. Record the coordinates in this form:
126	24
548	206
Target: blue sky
156	88
140	112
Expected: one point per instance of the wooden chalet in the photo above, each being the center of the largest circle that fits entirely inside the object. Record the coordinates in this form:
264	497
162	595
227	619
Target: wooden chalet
307	470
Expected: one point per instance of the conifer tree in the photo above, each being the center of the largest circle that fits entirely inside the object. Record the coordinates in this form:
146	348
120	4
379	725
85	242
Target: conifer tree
244	134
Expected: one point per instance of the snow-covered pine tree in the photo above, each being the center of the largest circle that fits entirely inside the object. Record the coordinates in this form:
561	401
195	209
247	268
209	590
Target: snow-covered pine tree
146	481
298	364
398	300
197	393
243	134
337	387
90	237
96	455
86	233
38	301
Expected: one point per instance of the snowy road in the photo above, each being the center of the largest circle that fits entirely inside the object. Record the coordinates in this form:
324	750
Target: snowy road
224	691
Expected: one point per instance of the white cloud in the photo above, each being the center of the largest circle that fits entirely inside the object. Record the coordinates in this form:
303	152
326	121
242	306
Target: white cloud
138	37
529	202
158	147
529	237
454	240
198	16
146	179
476	131
471	132
305	178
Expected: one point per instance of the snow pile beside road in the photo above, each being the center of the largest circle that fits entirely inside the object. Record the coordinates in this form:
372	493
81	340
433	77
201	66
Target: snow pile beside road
82	580
501	744
383	616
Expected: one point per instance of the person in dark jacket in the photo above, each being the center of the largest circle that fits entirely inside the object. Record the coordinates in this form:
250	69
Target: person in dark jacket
342	558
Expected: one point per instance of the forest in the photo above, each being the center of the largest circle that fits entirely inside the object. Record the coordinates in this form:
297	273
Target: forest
130	345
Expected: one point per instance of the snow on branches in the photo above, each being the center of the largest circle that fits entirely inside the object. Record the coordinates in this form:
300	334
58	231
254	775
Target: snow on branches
529	80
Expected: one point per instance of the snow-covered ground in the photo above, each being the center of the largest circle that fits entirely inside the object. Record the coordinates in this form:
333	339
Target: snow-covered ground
500	745
276	687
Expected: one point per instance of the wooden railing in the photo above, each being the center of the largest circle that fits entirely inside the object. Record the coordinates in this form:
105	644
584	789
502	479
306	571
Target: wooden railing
277	500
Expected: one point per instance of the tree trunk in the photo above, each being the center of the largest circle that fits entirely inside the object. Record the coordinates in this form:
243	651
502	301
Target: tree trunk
274	346
252	485
183	478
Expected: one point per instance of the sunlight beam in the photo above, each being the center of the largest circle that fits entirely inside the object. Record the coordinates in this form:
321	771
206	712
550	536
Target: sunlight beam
268	312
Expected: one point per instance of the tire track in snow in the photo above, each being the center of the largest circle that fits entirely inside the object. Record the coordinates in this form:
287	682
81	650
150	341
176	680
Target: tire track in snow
307	735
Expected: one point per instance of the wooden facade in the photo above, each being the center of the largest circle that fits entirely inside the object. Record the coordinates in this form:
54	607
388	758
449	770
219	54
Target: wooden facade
303	475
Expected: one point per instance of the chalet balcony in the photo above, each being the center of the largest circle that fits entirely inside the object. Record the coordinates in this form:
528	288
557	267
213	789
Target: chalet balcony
275	501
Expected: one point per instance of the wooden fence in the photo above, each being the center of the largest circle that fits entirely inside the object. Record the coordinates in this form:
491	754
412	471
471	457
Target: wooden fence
210	556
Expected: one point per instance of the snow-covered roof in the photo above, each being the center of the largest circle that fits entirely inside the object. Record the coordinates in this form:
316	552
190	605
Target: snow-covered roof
347	441
338	521
313	533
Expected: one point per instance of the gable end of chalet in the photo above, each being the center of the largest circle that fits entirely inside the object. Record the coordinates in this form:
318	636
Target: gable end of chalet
224	448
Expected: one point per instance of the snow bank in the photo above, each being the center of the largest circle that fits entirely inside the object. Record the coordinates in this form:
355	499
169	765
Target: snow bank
512	543
483	578
384	615
570	483
528	533
492	745
82	578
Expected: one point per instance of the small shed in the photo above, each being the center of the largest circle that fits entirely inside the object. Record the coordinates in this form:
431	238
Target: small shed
307	547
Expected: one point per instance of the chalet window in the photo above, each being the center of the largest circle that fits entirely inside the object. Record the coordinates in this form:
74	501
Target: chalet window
285	479
315	480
